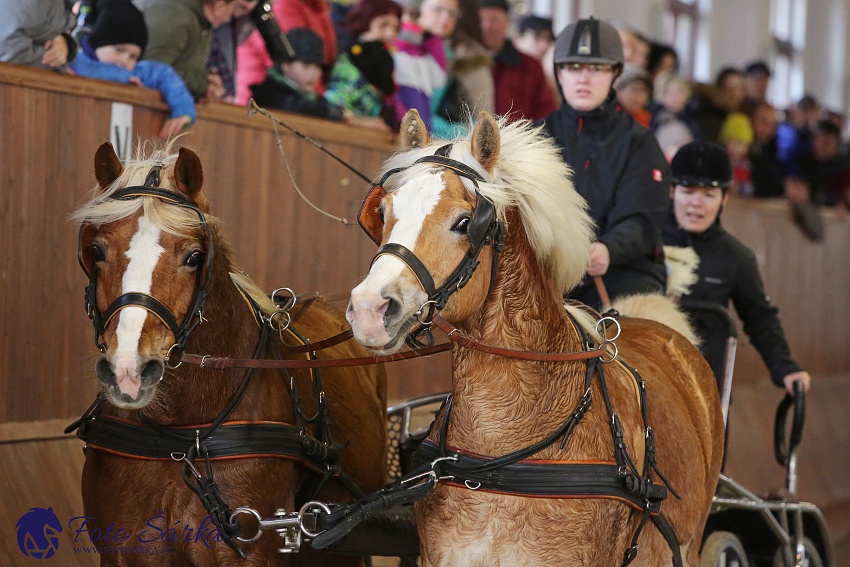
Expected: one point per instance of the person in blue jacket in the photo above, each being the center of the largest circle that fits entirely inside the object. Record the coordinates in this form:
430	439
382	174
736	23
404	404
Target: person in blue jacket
112	52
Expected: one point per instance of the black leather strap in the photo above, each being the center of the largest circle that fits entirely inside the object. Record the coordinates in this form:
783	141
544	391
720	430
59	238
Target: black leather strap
416	266
145	301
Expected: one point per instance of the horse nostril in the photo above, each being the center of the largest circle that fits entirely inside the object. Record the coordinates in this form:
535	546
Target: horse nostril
392	311
152	371
104	372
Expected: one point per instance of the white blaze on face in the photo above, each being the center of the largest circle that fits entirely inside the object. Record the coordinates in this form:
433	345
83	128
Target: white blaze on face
412	203
144	252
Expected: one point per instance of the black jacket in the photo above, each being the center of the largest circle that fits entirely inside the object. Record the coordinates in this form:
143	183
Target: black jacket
278	92
620	170
728	270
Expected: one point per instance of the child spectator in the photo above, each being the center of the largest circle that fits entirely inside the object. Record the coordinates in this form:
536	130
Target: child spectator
111	51
736	135
825	170
672	94
534	36
766	171
420	59
362	78
225	39
634	90
180	34
293	86
36	33
253	59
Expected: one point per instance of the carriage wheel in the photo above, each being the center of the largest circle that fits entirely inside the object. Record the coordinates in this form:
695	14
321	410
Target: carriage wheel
812	556
723	549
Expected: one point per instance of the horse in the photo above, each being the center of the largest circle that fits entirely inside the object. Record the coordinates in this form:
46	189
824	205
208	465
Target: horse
494	217
162	279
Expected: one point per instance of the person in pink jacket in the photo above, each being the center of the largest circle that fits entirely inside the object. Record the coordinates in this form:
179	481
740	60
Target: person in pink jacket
252	58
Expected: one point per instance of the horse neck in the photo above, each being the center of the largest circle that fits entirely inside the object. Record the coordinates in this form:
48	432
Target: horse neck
524	312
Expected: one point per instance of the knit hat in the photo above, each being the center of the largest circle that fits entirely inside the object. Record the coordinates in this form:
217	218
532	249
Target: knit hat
118	22
535	23
736	127
503	4
307	45
375	63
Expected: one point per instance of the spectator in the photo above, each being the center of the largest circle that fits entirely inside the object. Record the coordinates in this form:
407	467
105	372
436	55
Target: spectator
824	169
765	170
534	36
37	33
635	47
421	61
712	103
253	59
634	90
469	88
179	34
731	82
111	51
520	86
756	79
617	164
362	78
794	136
225	38
672	94
662	59
672	135
293	86
736	135
727	270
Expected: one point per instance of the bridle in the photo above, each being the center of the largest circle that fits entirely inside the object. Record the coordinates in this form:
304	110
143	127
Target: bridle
484	229
100	320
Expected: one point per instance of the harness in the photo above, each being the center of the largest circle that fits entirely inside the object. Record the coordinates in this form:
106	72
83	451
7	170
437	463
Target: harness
514	473
221	439
484	229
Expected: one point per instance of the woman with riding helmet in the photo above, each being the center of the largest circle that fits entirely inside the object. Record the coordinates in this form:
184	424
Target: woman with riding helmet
617	164
702	175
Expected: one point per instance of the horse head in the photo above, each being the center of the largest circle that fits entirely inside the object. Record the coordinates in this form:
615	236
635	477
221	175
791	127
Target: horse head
433	224
146	248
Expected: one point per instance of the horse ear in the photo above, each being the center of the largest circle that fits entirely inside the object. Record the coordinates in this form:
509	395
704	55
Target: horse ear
107	166
413	132
485	141
189	175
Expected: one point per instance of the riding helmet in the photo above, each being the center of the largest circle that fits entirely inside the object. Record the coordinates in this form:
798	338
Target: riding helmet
589	41
701	164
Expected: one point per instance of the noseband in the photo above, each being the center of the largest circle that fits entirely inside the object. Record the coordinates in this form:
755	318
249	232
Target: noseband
100	320
484	228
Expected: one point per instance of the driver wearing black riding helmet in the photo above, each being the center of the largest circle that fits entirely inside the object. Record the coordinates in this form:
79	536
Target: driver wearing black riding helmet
702	175
617	164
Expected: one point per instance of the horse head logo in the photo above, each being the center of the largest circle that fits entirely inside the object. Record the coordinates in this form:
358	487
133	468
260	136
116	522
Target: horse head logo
38	531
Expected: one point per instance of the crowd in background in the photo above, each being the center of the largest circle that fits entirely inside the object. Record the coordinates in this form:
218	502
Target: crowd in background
367	61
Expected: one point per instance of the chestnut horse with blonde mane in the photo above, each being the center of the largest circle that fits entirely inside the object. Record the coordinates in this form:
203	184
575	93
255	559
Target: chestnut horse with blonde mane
156	248
426	215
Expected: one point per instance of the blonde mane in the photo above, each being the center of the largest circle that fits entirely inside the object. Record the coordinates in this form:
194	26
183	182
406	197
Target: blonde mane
531	176
102	209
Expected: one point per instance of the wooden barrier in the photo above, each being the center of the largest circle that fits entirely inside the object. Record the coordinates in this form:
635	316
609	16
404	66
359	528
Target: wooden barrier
53	124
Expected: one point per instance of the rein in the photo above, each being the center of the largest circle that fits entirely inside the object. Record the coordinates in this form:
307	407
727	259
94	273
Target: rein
452	333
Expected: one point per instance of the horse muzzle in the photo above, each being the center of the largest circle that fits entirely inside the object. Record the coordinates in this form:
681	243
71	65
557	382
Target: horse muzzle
129	383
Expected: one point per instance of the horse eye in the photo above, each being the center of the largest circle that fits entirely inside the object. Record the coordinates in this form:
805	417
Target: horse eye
194	259
97	253
462	225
